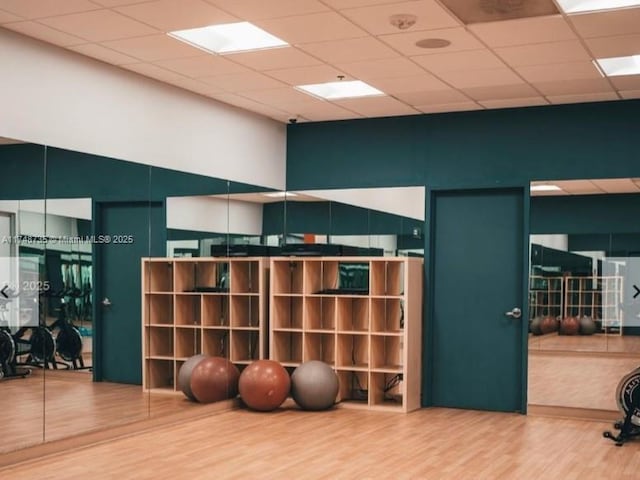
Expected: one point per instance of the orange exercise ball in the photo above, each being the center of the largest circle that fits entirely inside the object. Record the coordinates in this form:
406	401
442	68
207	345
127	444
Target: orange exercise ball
214	379
548	325
570	326
264	385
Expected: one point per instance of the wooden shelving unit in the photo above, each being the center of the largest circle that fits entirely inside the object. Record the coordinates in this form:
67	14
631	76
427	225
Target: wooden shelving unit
546	296
361	315
216	306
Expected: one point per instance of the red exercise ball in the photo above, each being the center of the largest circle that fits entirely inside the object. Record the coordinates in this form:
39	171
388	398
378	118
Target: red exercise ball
548	325
214	379
570	326
264	385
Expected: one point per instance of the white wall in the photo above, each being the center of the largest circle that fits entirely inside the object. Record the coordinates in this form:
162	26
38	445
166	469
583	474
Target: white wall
210	214
55	97
559	242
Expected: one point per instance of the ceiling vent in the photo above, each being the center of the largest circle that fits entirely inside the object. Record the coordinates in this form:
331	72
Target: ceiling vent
481	11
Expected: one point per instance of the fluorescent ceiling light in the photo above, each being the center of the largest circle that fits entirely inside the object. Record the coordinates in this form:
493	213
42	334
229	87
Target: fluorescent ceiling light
229	38
616	66
340	89
578	6
545	188
280	194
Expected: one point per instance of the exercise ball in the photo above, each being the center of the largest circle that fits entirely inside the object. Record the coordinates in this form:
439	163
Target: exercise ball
587	326
264	385
534	326
214	379
184	375
548	325
314	385
570	326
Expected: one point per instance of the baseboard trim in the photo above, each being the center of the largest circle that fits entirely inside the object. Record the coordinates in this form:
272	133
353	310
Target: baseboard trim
574	413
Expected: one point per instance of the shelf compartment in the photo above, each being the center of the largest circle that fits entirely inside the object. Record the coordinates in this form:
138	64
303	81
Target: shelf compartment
287	347
215	311
320	313
159	309
215	343
245	311
160	341
386	389
187	310
387	315
353	314
354	386
192	276
160	374
353	352
245	277
320	346
245	346
386	353
286	312
158	276
320	276
188	342
286	276
387	278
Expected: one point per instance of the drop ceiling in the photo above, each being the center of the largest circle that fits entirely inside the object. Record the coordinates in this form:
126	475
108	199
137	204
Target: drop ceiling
535	60
589	187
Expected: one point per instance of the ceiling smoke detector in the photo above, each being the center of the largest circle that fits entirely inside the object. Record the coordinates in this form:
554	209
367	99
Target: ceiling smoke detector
403	21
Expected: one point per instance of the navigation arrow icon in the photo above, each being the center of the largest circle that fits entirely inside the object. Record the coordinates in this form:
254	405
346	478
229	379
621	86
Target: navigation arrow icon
7	296
637	291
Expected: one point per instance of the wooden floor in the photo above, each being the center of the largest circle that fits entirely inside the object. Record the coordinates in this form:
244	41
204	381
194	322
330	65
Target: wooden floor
586	343
351	444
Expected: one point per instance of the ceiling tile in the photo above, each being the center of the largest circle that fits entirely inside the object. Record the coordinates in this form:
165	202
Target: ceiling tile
307	75
450	107
618	46
628	94
481	78
524	31
435	97
386	68
6	17
514	102
319	110
247	104
46	8
559	72
99	26
198	87
105	54
454	61
626	82
603	24
44	33
241	82
544	53
406	42
154	71
260	9
377	106
617	185
417	83
117	3
350	51
201	66
154	48
342	4
276	96
274	59
375	19
583	97
503	92
593	85
169	15
316	27
576	187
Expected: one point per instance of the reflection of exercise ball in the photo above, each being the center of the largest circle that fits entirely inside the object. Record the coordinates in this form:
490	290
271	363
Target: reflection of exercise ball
570	326
314	386
264	385
548	325
214	379
534	326
587	326
184	375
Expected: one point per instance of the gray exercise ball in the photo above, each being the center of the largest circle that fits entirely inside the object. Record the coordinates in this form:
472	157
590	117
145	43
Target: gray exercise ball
314	385
184	375
587	326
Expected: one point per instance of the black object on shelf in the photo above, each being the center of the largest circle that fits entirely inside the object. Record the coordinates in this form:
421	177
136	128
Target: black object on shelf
344	291
328	250
198	289
245	250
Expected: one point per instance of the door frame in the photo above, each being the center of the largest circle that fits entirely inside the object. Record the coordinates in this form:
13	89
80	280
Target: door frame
429	282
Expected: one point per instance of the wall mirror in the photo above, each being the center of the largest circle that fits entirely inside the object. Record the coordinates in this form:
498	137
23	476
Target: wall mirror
583	325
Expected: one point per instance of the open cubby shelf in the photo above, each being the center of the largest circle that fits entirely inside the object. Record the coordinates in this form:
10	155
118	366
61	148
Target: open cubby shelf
361	315
214	306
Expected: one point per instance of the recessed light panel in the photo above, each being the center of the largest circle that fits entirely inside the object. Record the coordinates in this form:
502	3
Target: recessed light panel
340	89
545	188
229	38
578	6
616	66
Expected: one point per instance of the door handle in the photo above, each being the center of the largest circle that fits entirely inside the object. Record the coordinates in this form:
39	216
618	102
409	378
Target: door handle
106	302
514	313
